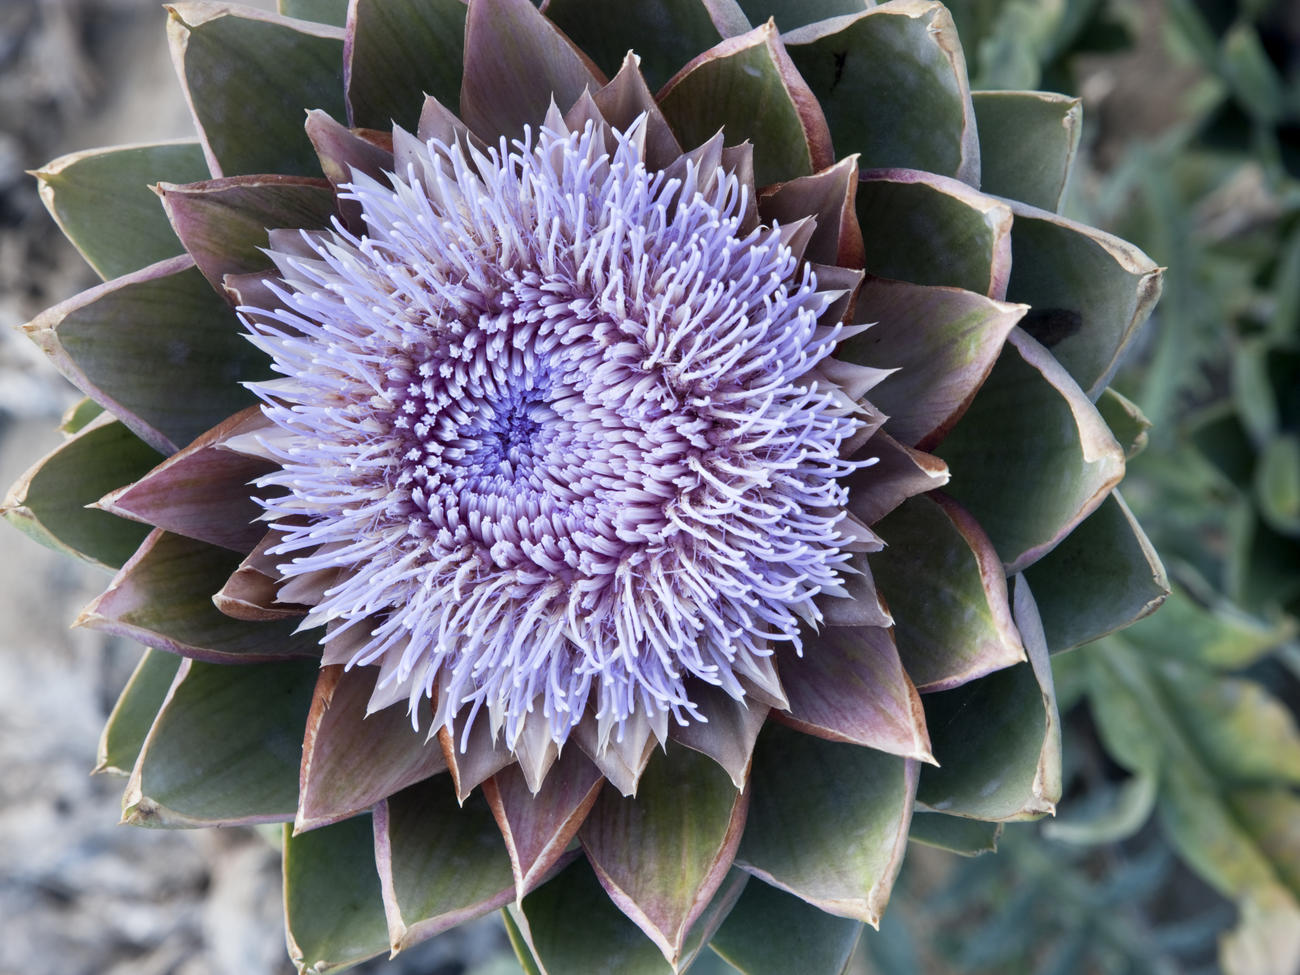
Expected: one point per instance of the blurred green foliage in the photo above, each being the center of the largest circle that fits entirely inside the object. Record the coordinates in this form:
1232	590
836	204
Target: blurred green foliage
1031	44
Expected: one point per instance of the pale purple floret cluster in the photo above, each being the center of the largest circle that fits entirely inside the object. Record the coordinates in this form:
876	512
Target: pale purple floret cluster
547	438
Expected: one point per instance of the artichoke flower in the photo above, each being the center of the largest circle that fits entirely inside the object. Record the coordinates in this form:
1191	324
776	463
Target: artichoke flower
624	464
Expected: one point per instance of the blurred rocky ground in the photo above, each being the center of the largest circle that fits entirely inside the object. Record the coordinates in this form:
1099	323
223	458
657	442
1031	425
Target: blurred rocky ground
79	894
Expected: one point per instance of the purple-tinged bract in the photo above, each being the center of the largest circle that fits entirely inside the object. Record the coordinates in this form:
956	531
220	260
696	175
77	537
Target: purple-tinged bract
548	435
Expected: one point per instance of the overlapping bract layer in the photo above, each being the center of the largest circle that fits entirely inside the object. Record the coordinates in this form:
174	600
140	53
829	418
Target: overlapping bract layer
809	781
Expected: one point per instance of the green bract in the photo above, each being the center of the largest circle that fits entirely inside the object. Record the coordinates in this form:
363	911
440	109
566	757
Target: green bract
771	832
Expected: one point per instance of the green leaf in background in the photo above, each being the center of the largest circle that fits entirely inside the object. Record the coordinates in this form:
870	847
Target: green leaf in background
1009	766
1006	42
906	61
1102	577
1252	392
1125	420
1191	24
401	51
332	12
1181	725
681	29
1248	69
1277	484
133	715
284	68
49	502
440	863
1243	733
828	821
101	199
224	748
1090	292
770	932
929	230
1286	289
110	341
334	916
967	837
947	633
609	942
1218	434
1262	575
751	90
1131	806
1273	815
1219	637
1028	141
1032	457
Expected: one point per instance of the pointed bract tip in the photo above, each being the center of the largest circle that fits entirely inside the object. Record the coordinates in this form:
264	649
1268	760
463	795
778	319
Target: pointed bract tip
174	16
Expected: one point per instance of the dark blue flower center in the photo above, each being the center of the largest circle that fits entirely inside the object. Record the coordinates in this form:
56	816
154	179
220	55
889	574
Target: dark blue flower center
507	437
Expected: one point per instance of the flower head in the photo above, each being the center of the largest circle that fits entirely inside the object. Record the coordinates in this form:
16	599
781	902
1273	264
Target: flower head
550	434
598	433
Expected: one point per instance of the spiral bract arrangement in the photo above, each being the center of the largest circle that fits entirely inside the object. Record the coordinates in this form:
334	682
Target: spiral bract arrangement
549	445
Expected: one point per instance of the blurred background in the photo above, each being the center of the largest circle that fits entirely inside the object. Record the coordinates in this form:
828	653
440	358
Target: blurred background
1178	844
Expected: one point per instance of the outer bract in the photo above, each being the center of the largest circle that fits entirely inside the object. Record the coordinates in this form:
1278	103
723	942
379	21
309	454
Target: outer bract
557	456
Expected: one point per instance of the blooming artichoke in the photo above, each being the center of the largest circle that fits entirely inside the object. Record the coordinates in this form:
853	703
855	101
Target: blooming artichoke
584	444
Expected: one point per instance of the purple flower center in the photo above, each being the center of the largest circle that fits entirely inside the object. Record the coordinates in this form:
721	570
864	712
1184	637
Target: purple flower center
548	435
